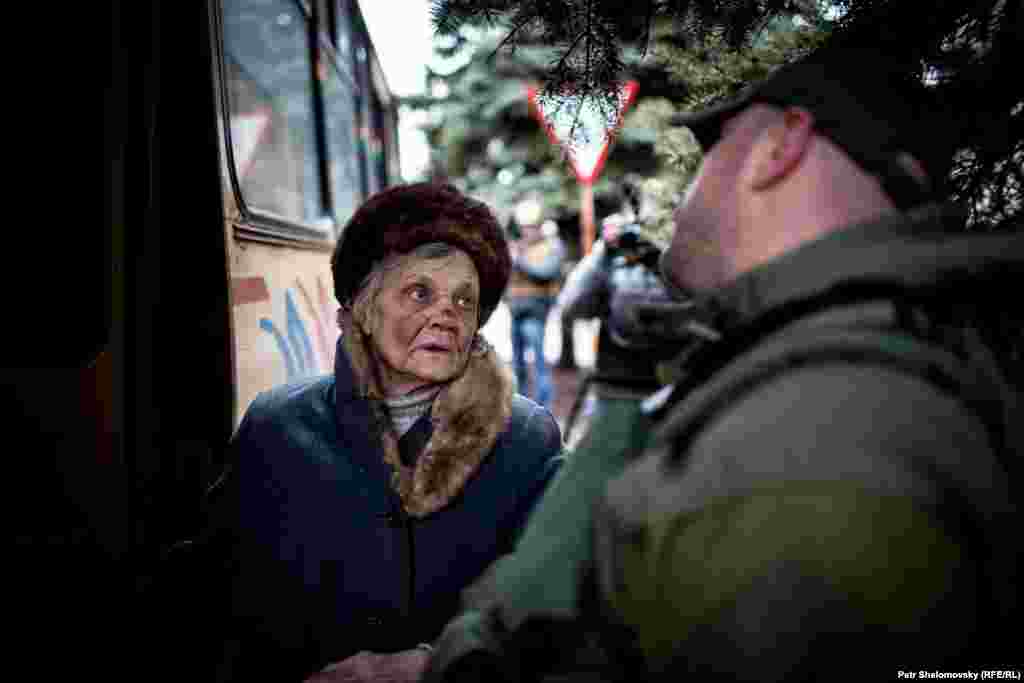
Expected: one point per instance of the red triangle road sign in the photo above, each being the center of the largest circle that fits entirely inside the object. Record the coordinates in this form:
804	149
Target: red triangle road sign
581	128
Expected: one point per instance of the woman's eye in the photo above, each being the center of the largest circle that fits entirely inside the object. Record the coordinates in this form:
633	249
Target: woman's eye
465	302
419	294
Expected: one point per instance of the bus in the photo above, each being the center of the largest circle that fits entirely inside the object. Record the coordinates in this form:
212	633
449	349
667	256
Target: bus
239	137
306	131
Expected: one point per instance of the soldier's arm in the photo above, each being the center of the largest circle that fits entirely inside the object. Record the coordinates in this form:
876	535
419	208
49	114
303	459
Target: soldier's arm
527	595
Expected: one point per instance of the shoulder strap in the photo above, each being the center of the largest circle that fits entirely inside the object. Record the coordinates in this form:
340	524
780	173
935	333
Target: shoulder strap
939	334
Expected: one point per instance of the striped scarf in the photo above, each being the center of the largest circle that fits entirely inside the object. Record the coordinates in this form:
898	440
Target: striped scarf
403	411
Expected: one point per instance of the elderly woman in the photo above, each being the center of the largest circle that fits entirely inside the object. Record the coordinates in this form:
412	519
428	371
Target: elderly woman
361	504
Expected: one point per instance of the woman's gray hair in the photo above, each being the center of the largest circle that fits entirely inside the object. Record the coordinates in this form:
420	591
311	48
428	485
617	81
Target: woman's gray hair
374	281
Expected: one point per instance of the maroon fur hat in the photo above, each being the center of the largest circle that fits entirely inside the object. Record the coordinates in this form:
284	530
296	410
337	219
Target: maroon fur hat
400	218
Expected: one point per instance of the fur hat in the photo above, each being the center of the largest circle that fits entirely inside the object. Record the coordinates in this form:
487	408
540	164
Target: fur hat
400	218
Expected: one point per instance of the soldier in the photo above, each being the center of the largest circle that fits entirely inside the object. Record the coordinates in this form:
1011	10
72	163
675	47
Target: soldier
830	491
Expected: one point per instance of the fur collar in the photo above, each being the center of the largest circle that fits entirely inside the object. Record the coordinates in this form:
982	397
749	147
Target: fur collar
468	415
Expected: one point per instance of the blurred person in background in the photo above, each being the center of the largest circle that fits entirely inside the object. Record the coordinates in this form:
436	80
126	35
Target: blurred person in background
537	258
641	325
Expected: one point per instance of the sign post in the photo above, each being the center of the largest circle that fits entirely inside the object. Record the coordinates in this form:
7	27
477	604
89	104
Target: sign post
588	230
581	129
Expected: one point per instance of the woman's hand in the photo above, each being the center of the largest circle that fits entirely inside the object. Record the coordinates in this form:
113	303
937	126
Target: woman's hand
400	667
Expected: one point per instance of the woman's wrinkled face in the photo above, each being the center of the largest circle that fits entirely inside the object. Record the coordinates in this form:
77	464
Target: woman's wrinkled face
423	321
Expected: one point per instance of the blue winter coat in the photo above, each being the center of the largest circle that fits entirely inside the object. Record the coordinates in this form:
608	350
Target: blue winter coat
322	561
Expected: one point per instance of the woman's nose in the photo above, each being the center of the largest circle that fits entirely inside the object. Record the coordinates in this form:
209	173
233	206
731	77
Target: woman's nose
445	311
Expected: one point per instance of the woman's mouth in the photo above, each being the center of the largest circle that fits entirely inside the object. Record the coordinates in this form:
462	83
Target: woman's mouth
436	344
433	348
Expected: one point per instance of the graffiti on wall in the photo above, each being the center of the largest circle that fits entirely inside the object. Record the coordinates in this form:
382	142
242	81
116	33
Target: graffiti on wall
303	353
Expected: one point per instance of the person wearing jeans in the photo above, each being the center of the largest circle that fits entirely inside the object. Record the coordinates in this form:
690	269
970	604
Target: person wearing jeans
537	259
528	336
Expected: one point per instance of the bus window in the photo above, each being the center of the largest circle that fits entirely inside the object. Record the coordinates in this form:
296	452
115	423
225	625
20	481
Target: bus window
341	119
377	120
377	135
270	101
342	36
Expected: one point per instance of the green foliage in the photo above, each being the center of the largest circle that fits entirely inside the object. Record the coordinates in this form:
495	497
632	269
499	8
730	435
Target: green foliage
484	100
691	52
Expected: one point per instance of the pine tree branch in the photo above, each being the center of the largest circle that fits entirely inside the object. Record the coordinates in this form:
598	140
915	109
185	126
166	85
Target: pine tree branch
648	22
590	38
511	33
561	62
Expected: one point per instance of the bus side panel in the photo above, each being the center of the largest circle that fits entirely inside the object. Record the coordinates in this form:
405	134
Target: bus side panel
284	315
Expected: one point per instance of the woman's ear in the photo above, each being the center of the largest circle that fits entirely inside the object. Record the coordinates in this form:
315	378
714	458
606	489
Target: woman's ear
781	147
365	317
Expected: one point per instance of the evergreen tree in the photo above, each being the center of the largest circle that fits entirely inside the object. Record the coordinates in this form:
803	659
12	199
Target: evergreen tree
967	51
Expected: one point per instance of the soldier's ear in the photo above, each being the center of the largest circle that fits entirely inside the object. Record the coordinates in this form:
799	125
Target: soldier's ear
781	147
